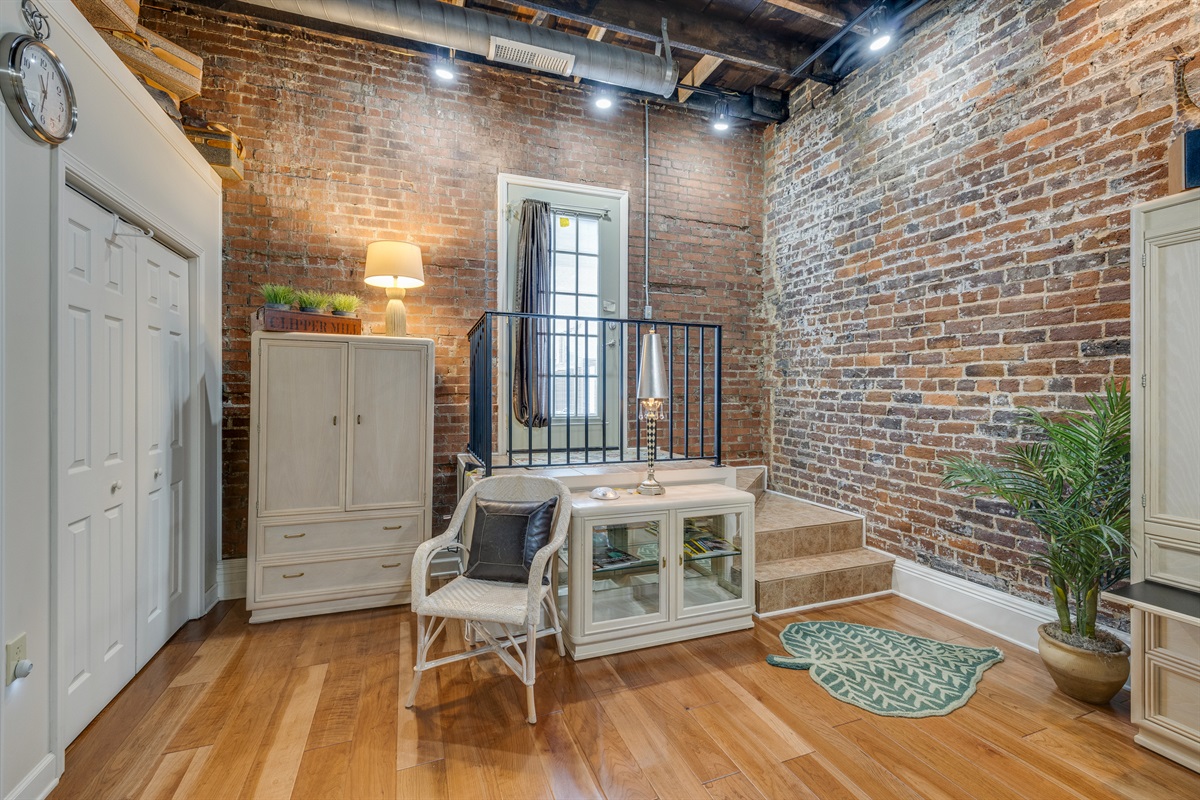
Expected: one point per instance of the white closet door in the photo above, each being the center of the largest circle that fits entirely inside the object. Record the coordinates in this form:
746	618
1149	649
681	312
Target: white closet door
388	396
162	392
96	462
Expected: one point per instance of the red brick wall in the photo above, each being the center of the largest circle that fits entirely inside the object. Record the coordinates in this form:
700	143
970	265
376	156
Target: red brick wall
948	240
350	141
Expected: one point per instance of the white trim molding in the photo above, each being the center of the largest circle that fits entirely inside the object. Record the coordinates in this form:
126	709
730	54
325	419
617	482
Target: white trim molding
231	578
39	783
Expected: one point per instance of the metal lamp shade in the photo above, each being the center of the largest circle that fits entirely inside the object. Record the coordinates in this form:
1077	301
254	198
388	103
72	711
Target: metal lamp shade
652	376
394	265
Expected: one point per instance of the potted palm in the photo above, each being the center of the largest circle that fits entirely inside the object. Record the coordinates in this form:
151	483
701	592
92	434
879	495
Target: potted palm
1073	484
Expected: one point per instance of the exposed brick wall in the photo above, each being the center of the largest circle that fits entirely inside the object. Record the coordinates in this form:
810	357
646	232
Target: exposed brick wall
948	238
350	141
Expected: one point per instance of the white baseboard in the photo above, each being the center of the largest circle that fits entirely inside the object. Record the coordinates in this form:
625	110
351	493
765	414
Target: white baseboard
231	579
211	597
38	784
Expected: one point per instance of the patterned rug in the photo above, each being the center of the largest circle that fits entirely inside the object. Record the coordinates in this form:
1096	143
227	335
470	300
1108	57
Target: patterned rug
885	672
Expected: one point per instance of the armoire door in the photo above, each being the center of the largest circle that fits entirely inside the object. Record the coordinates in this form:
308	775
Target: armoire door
96	477
302	423
164	367
388	404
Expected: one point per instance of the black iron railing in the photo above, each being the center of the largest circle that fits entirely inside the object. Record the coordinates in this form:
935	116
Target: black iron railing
586	379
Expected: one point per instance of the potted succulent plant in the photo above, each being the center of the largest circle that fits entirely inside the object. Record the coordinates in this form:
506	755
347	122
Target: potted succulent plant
1073	484
311	301
344	305
277	296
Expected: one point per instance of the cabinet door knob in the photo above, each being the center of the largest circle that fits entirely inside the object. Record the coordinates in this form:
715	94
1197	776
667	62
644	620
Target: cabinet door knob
157	474
681	559
664	562
116	487
294	535
294	575
392	527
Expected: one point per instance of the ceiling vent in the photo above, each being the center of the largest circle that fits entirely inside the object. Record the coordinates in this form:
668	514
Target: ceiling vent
519	54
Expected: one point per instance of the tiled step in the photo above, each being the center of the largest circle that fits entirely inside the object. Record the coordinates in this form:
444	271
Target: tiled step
798	582
786	528
752	480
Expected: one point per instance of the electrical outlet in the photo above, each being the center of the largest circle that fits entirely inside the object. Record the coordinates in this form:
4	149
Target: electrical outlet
14	651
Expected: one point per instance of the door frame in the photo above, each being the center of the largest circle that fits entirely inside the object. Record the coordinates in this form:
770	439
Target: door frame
72	174
504	181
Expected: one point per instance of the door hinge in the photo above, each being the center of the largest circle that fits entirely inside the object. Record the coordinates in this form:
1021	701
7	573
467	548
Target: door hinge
1143	260
1143	500
1143	380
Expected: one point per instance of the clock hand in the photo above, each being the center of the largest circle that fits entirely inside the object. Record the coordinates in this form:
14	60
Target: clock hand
45	92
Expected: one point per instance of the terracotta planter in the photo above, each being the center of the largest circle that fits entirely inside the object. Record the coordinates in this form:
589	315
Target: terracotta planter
1083	674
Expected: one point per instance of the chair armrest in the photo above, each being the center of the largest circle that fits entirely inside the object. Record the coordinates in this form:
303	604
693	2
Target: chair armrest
423	557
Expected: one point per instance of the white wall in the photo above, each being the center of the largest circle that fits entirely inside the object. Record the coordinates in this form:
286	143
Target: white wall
126	147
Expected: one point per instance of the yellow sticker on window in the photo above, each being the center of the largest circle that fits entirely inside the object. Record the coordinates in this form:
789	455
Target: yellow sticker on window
563	222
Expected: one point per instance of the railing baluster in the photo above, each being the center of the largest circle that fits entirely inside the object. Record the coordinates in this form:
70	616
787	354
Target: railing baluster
703	452
587	406
570	342
717	399
671	384
687	391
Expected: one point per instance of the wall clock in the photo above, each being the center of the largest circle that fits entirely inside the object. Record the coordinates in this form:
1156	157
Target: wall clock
34	83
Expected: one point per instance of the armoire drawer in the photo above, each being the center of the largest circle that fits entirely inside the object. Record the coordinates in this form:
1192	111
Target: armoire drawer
295	538
1174	638
333	576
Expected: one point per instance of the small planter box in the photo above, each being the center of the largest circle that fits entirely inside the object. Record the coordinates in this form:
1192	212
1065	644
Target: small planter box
273	319
221	148
113	15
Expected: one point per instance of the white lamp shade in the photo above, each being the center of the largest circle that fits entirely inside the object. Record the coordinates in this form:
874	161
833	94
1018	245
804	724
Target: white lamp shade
652	376
395	265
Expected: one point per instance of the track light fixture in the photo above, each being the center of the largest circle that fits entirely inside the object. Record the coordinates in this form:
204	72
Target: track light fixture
881	31
604	100
444	69
721	120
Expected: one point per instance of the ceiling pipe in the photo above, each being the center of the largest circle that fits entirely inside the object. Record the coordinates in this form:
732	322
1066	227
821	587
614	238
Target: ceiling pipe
471	31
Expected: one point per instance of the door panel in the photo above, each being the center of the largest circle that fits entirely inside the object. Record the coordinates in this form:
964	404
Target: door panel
303	419
163	369
96	487
387	447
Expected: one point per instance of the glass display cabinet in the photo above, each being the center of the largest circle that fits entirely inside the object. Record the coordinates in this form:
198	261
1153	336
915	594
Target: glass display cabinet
644	570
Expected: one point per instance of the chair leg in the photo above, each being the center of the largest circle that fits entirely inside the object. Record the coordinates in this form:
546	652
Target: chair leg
419	667
530	669
556	623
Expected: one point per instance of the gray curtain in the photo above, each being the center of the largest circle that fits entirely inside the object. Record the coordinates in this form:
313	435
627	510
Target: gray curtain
531	369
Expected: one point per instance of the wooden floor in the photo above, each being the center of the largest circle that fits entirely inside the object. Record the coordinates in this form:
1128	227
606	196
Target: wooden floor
311	708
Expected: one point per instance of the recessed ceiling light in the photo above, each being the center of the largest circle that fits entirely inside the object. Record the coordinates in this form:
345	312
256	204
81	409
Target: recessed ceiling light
603	100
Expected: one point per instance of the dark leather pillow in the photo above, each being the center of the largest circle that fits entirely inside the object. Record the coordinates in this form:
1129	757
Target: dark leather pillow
506	538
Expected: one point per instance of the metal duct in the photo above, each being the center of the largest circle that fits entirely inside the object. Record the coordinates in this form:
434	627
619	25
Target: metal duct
471	31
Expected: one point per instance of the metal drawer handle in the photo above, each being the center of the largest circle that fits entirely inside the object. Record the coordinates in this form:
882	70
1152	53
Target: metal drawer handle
392	527
389	566
294	535
296	575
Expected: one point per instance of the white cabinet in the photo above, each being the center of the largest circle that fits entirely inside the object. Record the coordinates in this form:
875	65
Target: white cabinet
640	571
341	465
1165	523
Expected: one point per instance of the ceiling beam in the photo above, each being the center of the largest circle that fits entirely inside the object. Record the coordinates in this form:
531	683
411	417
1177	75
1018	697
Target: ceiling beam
704	33
704	67
827	13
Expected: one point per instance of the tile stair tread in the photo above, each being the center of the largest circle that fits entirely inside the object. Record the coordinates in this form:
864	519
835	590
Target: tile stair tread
748	476
775	512
826	562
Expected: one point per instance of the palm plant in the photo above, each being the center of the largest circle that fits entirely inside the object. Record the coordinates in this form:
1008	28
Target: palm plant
1073	484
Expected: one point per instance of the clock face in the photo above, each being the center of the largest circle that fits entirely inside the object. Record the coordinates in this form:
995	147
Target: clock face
36	88
47	92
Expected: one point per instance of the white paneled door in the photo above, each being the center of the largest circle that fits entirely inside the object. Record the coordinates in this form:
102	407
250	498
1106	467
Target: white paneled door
162	383
123	363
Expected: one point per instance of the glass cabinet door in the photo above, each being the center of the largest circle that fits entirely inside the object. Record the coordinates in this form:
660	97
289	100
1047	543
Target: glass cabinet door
626	576
711	558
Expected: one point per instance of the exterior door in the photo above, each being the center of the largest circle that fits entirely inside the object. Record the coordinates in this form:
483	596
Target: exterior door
586	359
387	449
164	367
96	476
302	423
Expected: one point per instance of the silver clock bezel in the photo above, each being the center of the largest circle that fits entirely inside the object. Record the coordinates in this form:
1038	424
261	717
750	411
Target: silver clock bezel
12	86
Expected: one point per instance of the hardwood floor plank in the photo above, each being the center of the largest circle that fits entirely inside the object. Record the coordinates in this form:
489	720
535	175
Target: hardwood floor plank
746	750
733	787
274	772
824	781
666	767
669	708
323	773
190	787
424	781
901	762
337	707
214	655
168	772
373	748
566	768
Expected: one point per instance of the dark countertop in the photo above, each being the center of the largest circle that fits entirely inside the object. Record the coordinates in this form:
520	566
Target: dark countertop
1151	596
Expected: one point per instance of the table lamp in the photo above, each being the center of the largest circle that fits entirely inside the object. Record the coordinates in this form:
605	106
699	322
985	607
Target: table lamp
396	266
652	390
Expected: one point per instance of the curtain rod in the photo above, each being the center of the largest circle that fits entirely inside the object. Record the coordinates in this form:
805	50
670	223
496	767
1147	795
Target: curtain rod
510	211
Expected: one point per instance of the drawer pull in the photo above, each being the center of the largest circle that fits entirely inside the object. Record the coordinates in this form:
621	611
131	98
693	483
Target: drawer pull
392	527
294	575
294	535
389	566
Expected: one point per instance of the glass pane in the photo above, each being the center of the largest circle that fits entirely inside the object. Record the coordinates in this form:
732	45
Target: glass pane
588	306
712	559
589	275
558	396
564	232
564	273
589	235
564	305
625	573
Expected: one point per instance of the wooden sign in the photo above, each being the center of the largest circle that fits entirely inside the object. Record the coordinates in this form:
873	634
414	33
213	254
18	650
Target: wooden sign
275	319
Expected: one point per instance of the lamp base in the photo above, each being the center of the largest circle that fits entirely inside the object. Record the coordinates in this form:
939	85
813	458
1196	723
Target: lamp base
650	486
396	315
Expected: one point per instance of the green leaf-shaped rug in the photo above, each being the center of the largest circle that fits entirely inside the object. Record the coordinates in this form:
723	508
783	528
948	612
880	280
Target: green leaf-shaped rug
886	672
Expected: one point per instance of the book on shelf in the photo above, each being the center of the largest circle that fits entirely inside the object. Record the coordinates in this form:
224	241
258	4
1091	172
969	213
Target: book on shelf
707	545
611	557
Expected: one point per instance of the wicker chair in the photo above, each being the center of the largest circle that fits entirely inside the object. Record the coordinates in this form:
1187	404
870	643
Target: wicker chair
505	616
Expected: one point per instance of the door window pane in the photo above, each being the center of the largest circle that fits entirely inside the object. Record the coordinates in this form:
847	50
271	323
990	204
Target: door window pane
576	292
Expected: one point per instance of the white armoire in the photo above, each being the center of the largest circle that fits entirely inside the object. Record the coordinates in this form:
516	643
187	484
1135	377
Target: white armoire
341	471
1164	597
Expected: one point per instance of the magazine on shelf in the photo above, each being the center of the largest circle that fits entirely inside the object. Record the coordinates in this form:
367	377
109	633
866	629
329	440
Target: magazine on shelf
707	546
611	557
